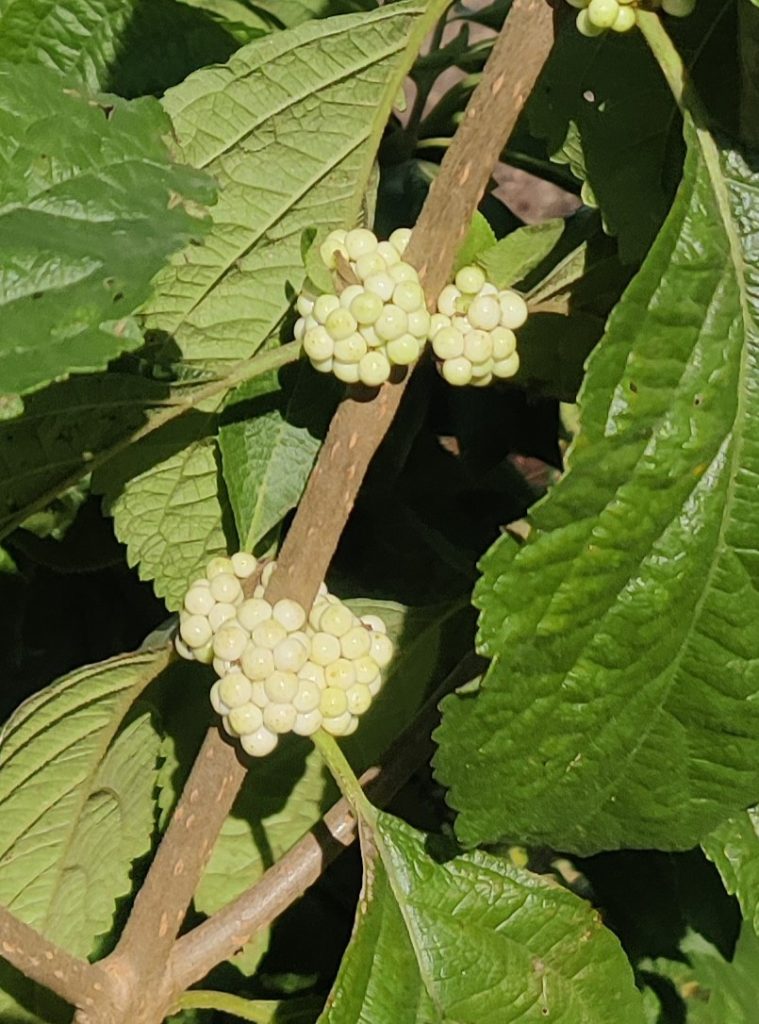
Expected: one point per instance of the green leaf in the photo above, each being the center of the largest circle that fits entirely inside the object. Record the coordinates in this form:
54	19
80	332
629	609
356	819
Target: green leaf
245	125
288	791
734	848
512	259
471	939
622	634
480	237
268	452
89	214
603	108
77	808
46	449
163	495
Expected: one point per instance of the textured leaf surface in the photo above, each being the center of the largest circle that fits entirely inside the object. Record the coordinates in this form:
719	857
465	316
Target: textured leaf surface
512	259
77	805
473	940
163	496
289	790
88	216
268	452
62	427
734	848
246	124
620	707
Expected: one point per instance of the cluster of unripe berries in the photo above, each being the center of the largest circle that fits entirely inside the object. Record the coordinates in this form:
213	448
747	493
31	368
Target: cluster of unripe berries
280	669
472	331
378	322
596	16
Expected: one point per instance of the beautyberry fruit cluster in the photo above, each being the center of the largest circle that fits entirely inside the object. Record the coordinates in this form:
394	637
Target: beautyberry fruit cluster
280	670
596	16
472	331
371	325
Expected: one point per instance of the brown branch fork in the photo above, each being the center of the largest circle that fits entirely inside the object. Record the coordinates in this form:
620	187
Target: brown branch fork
141	980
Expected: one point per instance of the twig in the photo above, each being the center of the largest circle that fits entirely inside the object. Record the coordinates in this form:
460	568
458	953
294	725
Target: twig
44	962
231	927
355	433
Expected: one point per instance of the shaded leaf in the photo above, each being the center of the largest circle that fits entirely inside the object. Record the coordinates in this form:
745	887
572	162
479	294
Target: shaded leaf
734	848
622	633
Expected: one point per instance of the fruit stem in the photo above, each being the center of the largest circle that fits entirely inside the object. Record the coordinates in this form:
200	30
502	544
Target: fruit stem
343	775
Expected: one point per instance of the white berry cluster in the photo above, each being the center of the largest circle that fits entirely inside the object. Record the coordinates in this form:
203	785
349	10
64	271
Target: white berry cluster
281	670
472	331
372	325
596	16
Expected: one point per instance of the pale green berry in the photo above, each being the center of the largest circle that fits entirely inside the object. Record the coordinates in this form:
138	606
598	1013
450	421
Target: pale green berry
340	673
234	689
391	323
245	719
183	650
347	295
366	669
308	696
404	351
625	20
244	564
356	643
400	238
578	3
290	655
268	634
341	725
199	600
513	309
469	280
340	323
299	329
336	619
438	321
419	323
477	346
381	649
408	295
504	342
221	613
366	307
370	336
289	613
204	654
226	588
315	614
279	718
359	699
257	662
447	301
505	368
333	703
375	685
304	305
218	565
308	722
371	263
258	694
325	305
602	13
586	27
195	630
216	702
483	380
350	349
313	673
484	313
267	572
374	622
360	242
325	648
381	285
281	687
482	368
221	667
388	253
678	8
374	369
404	273
253	612
324	365
259	743
230	641
457	372
348	373
334	242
